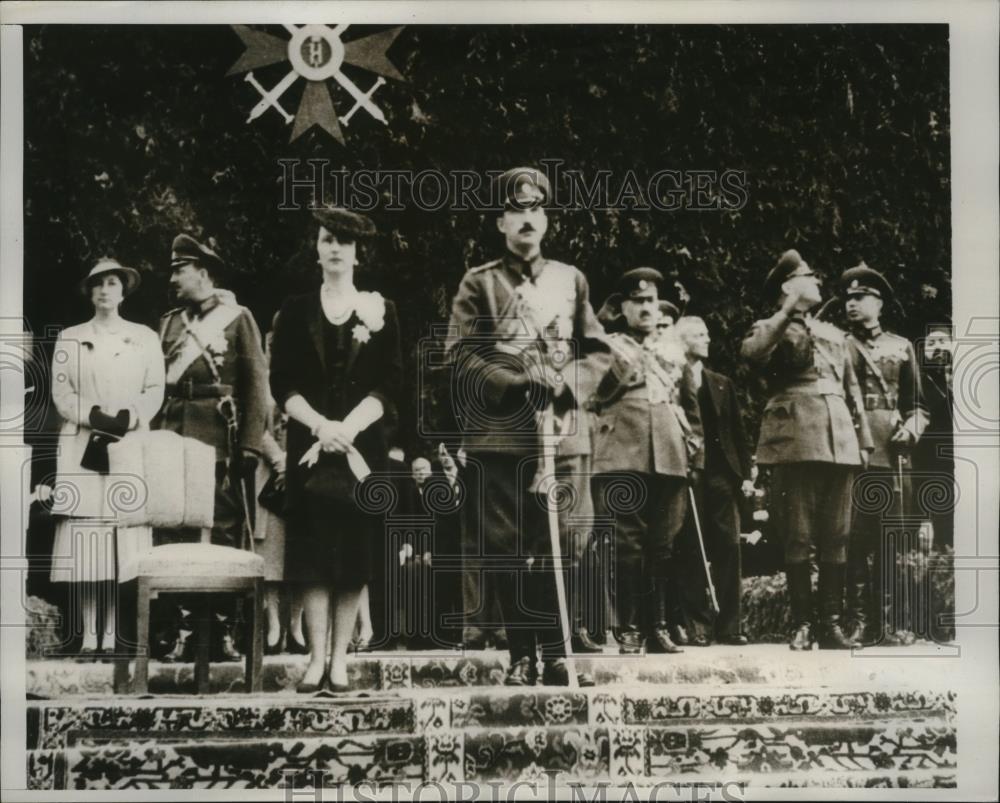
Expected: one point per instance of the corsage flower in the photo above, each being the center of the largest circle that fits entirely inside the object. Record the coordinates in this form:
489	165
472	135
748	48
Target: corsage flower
370	309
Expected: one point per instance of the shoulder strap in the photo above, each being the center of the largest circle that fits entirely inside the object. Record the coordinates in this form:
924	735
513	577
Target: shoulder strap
872	365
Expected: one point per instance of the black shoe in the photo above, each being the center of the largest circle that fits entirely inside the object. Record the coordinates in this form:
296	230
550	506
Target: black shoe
799	577
225	651
700	639
585	680
474	643
521	673
273	649
802	638
295	647
831	603
680	635
555	673
661	641
583	643
735	639
500	640
630	643
182	652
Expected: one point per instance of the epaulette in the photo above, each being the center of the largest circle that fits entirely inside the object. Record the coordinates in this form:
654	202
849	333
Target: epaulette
487	266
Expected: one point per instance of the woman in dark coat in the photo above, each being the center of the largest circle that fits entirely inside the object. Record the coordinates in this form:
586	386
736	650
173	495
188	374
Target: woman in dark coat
335	370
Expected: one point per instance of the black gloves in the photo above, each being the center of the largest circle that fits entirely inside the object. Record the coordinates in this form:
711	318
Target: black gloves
102	422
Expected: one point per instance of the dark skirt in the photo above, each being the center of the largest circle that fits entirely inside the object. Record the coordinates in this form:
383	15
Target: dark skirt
330	544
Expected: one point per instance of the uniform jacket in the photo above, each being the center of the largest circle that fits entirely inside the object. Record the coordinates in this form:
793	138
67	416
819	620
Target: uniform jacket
298	366
497	316
815	411
642	425
727	433
124	372
235	351
886	367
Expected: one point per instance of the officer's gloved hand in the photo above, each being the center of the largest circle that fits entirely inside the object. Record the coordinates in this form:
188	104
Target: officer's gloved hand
117	425
248	463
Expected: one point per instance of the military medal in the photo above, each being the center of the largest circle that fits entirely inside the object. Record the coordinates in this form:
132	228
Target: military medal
316	53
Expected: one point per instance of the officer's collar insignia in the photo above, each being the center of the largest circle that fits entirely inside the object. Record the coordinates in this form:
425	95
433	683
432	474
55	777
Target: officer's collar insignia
316	53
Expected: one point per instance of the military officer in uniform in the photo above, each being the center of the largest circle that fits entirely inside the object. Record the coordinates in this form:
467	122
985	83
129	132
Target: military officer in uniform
886	367
814	436
643	440
216	388
521	330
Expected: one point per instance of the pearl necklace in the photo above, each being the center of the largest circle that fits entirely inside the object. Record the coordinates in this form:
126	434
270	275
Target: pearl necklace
337	309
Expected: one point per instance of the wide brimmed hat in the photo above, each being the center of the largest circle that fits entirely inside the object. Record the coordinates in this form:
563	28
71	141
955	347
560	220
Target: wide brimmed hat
130	276
343	222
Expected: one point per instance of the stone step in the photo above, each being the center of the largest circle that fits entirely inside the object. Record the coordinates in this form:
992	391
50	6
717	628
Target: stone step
771	665
781	754
60	724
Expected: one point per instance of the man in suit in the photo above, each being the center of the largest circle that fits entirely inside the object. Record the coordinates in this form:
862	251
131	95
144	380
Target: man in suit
521	328
723	481
814	436
887	371
643	443
216	390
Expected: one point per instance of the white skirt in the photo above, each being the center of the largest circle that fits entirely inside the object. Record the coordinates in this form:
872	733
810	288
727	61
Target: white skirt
83	552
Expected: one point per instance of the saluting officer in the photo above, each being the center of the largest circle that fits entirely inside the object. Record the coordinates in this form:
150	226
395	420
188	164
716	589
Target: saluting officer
216	391
887	371
814	435
643	440
521	327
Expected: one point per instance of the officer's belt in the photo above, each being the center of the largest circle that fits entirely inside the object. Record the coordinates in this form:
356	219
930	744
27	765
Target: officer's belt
194	390
816	387
879	401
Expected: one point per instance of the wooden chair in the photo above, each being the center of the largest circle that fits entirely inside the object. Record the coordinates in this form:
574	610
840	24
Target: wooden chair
200	569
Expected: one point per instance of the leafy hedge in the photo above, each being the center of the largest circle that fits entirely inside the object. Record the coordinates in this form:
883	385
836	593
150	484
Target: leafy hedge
135	133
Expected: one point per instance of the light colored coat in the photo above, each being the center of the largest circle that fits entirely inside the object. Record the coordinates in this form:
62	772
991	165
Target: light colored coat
114	372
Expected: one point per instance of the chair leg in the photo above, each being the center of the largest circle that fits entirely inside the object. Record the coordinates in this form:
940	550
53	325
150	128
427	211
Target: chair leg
255	655
140	683
202	657
122	646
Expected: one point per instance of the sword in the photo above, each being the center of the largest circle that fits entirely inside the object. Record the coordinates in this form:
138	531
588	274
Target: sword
549	469
270	99
712	598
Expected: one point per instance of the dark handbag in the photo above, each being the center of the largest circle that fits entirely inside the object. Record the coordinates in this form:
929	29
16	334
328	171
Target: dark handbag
107	430
330	480
271	497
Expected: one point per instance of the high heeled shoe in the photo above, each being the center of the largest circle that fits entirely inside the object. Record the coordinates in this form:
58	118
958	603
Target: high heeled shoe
295	647
334	688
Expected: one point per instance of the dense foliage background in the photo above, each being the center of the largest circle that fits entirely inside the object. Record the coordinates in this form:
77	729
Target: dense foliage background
133	134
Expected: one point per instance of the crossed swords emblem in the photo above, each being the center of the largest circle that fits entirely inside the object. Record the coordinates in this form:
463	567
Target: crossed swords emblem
316	53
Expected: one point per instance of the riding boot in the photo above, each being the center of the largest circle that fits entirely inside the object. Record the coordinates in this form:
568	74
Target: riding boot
661	641
831	595
799	580
856	596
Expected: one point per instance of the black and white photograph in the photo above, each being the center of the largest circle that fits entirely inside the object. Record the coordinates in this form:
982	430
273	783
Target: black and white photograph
500	401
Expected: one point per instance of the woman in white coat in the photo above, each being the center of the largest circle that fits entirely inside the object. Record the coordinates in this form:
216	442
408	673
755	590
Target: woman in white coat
107	372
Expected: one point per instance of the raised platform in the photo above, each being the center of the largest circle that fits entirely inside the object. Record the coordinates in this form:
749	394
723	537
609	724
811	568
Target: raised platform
758	715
